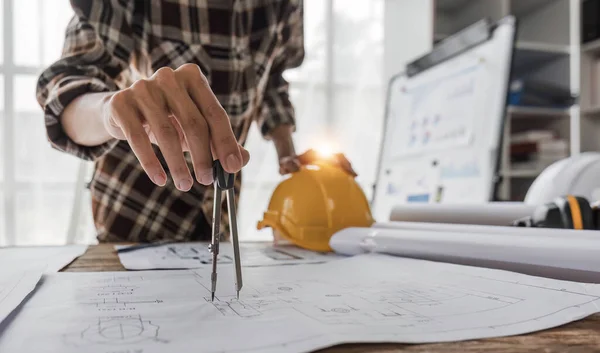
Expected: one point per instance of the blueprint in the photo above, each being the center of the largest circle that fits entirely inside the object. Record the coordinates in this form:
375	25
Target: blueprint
195	255
366	298
21	268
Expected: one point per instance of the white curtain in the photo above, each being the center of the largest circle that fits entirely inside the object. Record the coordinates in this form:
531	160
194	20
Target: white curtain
36	182
338	92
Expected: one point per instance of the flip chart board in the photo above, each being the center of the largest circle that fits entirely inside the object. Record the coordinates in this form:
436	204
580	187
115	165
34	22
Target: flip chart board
444	121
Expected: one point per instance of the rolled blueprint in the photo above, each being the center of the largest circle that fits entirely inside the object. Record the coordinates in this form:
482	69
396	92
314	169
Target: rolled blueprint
483	229
493	213
567	258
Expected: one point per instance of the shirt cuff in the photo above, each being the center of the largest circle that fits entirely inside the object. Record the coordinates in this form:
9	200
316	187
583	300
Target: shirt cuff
64	93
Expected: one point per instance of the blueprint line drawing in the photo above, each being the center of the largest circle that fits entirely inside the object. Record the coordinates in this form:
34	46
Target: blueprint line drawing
289	309
113	302
116	330
196	255
281	254
421	302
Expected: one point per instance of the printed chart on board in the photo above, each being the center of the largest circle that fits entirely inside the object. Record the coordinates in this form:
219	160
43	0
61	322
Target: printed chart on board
438	114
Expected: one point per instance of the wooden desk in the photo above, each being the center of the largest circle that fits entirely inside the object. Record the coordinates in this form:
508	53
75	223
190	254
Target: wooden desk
581	336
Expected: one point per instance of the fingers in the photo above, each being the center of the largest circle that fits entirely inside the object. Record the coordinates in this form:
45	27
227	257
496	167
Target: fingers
128	119
345	164
339	159
154	110
289	165
245	155
221	135
178	111
308	157
192	124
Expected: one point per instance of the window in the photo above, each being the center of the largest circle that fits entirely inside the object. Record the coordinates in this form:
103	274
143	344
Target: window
337	92
37	183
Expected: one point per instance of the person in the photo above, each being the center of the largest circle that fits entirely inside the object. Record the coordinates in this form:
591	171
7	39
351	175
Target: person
153	91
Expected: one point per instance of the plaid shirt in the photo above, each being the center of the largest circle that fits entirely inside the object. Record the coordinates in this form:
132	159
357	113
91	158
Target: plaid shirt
242	47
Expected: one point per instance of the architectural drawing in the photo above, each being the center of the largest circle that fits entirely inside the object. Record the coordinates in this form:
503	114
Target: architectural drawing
196	255
365	306
367	298
116	330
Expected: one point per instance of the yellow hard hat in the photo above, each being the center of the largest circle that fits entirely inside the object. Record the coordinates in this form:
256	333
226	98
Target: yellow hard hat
312	204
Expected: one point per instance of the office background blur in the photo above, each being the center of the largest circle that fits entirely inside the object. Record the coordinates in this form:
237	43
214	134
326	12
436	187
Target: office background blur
339	87
353	48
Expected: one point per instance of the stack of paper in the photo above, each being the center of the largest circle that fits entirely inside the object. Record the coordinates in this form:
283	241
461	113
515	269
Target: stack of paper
22	268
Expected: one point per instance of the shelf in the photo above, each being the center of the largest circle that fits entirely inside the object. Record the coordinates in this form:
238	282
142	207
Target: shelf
450	5
542	47
530	55
593	111
592	47
521	8
440	36
524	174
535	112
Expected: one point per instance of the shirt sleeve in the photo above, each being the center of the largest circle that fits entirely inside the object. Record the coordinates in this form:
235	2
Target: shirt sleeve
277	109
95	58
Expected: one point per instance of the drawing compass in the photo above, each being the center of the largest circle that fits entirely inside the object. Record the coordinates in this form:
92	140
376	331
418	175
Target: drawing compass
224	181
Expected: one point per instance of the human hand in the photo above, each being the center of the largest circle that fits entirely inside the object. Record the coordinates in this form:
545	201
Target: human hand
176	110
292	164
289	164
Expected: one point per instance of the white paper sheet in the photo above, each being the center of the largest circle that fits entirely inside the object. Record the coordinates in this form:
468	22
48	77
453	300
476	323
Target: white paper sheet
21	268
367	298
14	288
196	255
50	258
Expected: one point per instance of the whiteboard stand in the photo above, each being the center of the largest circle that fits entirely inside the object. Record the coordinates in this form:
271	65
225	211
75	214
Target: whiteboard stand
444	121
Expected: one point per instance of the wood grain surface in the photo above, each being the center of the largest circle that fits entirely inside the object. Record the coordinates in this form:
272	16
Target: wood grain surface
580	336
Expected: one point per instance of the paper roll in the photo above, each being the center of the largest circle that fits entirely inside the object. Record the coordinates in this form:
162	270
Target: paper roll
568	258
493	213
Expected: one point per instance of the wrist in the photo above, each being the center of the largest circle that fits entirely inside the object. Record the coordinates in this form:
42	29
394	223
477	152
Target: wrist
105	104
283	141
92	130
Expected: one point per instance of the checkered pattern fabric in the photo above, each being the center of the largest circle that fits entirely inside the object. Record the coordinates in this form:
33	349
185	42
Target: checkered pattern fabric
242	47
